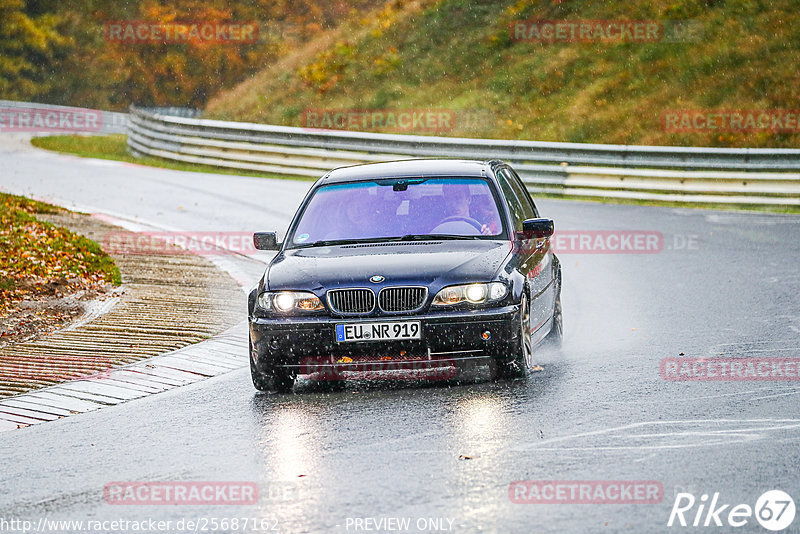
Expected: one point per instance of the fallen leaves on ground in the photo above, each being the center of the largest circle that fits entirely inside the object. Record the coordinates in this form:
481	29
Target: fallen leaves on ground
42	268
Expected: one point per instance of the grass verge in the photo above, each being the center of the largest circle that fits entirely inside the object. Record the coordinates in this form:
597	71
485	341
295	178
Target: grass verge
38	259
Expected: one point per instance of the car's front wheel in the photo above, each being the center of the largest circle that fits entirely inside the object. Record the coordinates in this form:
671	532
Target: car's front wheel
522	360
278	381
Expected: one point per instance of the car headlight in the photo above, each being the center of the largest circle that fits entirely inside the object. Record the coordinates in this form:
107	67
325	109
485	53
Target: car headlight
471	293
289	301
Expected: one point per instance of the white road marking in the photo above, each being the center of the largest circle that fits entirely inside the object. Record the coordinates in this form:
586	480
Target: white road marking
716	437
776	395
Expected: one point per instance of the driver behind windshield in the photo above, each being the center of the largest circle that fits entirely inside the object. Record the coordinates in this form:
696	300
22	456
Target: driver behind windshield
457	214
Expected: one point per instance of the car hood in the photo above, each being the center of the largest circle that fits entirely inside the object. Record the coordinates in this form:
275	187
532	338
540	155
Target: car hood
427	263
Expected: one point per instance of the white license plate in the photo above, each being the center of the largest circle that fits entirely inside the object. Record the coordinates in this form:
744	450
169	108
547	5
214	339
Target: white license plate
388	331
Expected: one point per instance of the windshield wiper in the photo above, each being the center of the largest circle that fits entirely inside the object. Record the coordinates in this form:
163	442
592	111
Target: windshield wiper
433	237
331	242
326	243
407	237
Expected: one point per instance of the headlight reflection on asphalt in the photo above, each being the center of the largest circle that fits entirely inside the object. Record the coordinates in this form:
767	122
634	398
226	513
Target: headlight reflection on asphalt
291	440
287	444
478	418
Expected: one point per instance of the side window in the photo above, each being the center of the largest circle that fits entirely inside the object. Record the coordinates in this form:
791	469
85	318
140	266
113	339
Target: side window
515	205
522	193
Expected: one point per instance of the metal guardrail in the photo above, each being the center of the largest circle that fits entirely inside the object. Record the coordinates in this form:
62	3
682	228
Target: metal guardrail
685	174
38	121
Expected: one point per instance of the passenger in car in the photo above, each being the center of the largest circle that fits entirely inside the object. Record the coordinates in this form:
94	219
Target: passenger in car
482	210
354	220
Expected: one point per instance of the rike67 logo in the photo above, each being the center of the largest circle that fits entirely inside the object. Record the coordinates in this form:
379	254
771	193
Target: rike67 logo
774	510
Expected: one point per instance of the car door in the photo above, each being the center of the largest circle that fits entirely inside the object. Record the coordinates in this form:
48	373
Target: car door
535	256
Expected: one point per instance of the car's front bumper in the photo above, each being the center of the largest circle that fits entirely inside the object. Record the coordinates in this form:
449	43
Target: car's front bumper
305	342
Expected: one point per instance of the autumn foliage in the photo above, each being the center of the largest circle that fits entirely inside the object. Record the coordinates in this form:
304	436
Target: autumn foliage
38	259
57	52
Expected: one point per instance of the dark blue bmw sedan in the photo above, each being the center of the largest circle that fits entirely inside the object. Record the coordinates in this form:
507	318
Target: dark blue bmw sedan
407	266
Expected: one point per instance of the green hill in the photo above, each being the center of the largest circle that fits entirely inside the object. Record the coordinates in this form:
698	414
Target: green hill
459	57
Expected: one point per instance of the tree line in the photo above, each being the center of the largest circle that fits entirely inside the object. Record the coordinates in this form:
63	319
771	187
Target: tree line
62	52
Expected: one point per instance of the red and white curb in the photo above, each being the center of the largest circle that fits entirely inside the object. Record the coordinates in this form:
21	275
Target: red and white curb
219	355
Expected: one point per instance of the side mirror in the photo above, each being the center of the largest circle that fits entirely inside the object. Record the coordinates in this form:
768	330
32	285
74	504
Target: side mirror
266	241
537	228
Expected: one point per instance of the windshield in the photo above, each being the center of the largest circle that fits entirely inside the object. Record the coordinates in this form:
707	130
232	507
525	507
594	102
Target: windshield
394	209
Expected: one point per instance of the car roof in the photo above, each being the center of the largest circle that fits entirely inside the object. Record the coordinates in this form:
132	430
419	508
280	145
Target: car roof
409	168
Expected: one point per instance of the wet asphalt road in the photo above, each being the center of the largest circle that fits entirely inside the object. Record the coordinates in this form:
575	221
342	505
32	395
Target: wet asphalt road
725	283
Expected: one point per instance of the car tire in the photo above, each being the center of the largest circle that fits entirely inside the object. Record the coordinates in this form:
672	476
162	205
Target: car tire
279	381
556	334
521	362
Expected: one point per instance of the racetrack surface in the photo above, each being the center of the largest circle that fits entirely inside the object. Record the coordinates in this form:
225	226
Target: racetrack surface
724	285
